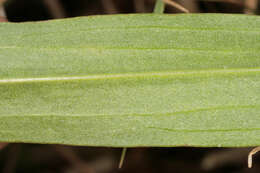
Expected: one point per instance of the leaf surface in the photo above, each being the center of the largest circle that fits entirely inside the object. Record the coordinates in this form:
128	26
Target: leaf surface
132	80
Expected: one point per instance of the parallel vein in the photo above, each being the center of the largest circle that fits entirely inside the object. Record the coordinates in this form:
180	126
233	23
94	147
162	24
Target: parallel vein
135	75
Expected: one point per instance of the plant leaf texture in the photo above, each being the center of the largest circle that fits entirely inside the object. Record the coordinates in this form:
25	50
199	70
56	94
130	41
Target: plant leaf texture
136	80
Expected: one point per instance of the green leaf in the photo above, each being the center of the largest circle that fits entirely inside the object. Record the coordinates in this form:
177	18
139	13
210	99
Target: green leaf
132	80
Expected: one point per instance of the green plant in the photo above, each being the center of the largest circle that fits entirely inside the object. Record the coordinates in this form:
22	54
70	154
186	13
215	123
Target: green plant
132	80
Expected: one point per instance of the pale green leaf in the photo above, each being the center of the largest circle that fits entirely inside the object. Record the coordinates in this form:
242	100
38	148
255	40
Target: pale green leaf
132	80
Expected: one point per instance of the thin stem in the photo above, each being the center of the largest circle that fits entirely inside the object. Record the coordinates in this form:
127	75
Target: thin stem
159	7
122	158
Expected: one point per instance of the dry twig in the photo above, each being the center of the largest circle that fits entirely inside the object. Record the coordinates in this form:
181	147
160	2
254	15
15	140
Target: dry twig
176	5
250	156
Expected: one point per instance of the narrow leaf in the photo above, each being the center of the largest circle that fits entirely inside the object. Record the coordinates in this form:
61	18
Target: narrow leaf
132	80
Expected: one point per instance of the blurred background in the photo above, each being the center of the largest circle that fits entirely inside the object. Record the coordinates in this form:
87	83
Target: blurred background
33	10
32	158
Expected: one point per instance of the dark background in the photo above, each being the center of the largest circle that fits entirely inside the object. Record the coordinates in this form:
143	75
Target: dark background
31	10
32	158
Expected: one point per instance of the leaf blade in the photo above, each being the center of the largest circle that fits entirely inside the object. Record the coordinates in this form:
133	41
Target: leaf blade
173	84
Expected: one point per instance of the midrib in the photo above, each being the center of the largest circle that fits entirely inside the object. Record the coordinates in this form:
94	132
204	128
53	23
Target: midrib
169	74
